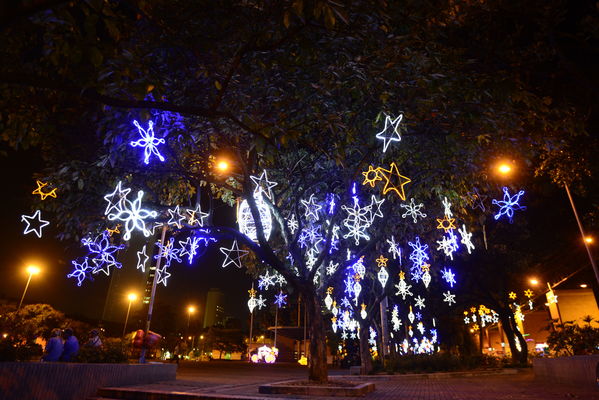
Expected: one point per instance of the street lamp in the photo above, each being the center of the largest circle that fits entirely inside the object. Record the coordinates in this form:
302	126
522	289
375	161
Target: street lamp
222	165
589	240
190	310
131	297
31	270
504	168
533	281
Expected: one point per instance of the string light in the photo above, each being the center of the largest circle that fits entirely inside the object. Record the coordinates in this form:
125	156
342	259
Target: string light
133	216
43	195
394	136
233	255
34	226
449	244
292	224
357	221
148	141
509	204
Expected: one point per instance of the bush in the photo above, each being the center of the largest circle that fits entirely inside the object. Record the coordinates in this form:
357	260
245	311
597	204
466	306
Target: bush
10	350
111	351
571	339
440	362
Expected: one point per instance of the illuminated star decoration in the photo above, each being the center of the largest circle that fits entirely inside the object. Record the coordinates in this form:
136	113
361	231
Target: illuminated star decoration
189	247
394	136
43	195
163	275
413	210
312	208
142	259
148	141
381	261
512	295
82	270
280	299
466	238
38	225
528	293
196	216
477	200
448	275
446	223
233	255
263	185
388	174
101	253
371	176
115	199
375	205
133	216
509	204
115	230
168	252
176	218
449	298
394	248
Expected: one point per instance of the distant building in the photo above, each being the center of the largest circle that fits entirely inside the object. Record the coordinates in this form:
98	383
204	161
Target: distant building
214	312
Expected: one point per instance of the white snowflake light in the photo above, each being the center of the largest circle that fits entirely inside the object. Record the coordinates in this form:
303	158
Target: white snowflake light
447	208
332	267
448	275
357	221
449	244
35	223
292	224
449	298
265	281
394	248
390	132
148	141
403	289
133	216
466	238
419	302
413	210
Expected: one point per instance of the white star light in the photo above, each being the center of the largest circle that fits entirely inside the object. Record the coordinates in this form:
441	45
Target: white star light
413	210
116	198
394	136
189	247
419	302
142	259
175	217
163	275
38	224
233	255
263	185
196	216
132	216
148	141
312	208
394	248
449	298
466	236
375	205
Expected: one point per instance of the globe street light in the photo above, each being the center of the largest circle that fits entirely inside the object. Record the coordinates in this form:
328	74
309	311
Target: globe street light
31	270
131	297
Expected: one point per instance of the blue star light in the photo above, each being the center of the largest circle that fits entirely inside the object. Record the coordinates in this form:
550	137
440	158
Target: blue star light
509	204
148	141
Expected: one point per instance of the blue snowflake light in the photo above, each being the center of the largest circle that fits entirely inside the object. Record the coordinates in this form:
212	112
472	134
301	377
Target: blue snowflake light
168	252
418	255
280	299
101	253
81	271
509	204
148	141
448	275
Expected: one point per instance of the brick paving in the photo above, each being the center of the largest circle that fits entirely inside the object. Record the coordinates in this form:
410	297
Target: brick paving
239	379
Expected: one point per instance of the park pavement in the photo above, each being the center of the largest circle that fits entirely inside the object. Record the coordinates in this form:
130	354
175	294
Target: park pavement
241	380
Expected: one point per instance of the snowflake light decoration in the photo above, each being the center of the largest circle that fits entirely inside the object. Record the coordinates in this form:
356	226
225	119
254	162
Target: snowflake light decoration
371	176
148	141
265	281
466	238
446	223
386	135
233	255
189	247
449	244
43	195
403	289
447	208
357	221
142	259
449	298
413	210
292	224
418	255
133	216
419	302
448	275
82	270
280	299
35	223
101	253
394	248
509	204
260	302
168	252
332	267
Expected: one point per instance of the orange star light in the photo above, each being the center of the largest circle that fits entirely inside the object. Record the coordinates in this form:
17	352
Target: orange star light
425	267
390	173
528	293
402	275
43	195
371	176
382	261
115	230
446	224
252	292
512	295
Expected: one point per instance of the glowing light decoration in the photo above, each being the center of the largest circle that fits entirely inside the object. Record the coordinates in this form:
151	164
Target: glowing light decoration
263	185
411	316
383	276
233	255
375	208
116	198
176	218
363	312
35	223
395	318
449	277
133	216
418	255
359	267
413	210
142	259
419	302
388	175
280	299
189	247
466	238
148	141
328	301
426	278
388	136
332	267
449	244
528	293
196	216
357	221
311	208
163	275
115	230
260	302
403	289
371	176
449	298
265	281
509	204
381	261
446	223
394	248
246	222
81	271
477	200
512	295
43	195
101	253
292	224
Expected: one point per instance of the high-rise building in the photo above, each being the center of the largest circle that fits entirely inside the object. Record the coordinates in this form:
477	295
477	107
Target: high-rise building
214	311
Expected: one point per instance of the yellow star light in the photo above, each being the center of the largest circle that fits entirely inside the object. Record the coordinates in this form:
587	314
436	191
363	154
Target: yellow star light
402	275
512	295
252	292
465	312
388	174
446	224
43	195
473	309
371	176
528	293
115	230
425	267
357	277
382	261
329	290
363	306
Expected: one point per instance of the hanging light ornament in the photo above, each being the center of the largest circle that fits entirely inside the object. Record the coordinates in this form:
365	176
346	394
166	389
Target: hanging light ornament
383	276
247	226
328	301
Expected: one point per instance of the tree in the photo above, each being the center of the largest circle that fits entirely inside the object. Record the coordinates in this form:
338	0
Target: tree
246	81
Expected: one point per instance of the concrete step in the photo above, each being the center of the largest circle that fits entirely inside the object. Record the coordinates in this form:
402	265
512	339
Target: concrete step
131	393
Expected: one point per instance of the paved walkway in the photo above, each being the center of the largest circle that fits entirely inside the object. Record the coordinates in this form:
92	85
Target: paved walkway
241	379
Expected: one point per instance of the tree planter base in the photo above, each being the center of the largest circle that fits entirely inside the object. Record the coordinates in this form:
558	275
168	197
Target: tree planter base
348	389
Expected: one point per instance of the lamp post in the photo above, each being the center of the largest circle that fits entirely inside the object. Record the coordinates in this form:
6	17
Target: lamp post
31	270
131	297
190	310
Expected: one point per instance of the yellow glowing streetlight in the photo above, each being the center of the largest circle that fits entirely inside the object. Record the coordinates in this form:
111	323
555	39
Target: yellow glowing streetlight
131	297
222	165
31	270
190	310
589	239
533	281
583	285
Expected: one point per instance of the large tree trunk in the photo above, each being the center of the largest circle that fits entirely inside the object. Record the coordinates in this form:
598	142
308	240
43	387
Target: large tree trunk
365	357
508	326
317	362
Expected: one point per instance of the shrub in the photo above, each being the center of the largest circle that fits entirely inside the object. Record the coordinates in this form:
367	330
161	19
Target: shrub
571	339
111	351
11	350
440	362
